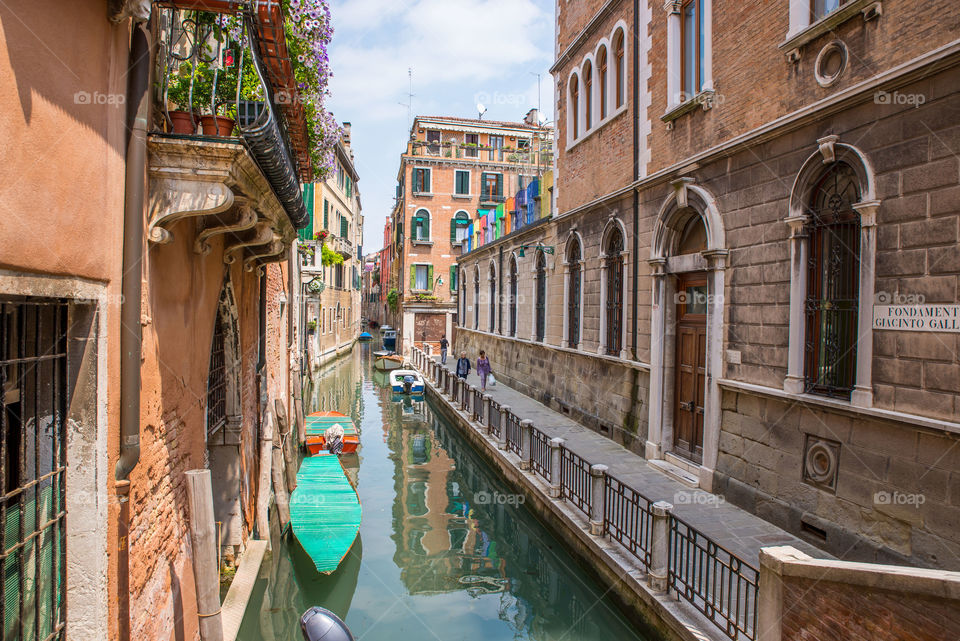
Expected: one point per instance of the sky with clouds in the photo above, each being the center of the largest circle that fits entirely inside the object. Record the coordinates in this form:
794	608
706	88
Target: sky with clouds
461	52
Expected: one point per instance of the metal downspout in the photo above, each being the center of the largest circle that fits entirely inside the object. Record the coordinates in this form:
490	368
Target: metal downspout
636	173
139	80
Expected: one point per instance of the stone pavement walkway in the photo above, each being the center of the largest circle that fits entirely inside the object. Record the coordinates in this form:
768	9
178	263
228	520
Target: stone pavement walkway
737	530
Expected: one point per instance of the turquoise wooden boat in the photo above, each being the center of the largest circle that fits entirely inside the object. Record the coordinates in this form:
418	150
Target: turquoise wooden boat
324	511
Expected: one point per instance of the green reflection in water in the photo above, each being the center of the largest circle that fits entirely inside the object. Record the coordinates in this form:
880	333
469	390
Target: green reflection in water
443	551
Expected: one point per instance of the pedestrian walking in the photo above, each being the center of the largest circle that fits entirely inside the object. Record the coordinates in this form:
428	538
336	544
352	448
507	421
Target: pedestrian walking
463	366
483	369
444	344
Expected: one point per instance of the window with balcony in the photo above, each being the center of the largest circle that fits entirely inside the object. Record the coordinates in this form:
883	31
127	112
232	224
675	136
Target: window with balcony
433	138
462	183
496	147
421	180
472	142
491	187
420	226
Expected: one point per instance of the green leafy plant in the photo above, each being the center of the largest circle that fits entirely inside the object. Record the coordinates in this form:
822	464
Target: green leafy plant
393	300
312	325
329	257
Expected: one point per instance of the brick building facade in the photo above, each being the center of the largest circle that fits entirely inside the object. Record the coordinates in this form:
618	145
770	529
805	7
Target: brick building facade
727	244
453	171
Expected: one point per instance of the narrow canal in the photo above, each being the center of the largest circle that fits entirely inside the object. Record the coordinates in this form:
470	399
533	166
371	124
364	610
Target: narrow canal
444	551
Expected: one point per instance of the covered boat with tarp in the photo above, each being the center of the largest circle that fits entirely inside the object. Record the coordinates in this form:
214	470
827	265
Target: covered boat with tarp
325	511
324	429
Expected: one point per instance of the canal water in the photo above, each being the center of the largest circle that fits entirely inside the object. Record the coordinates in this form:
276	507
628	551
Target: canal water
445	550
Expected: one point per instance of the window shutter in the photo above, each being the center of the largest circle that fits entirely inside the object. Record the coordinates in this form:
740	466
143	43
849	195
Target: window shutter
426	180
416	181
326	211
413	277
426	228
483	185
499	184
344	227
453	278
430	277
453	231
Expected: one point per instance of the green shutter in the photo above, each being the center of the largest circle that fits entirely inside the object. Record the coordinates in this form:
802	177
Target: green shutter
453	230
499	184
415	183
344	227
426	228
430	277
326	214
307	232
426	180
413	277
453	278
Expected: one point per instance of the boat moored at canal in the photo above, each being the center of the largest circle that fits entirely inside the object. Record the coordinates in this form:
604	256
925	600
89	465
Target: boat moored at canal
386	361
322	425
406	381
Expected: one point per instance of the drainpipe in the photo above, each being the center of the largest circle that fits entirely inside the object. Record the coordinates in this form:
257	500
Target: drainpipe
636	171
139	81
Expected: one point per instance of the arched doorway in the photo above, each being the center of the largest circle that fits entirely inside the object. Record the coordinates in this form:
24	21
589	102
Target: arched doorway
688	259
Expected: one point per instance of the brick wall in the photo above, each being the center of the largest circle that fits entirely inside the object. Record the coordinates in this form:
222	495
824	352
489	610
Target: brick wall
828	610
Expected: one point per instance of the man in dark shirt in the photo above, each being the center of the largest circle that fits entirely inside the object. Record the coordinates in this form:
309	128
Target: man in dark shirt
444	344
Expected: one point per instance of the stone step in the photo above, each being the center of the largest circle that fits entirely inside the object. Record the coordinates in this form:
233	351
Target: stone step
682	463
675	472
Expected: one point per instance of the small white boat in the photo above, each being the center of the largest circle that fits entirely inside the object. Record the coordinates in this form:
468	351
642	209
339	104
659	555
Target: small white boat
406	381
384	329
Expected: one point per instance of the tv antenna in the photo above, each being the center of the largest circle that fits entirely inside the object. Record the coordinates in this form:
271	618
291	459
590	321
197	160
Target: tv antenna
409	103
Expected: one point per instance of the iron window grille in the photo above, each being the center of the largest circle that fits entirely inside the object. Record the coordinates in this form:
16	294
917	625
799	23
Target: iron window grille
614	301
217	380
541	296
33	404
573	302
833	284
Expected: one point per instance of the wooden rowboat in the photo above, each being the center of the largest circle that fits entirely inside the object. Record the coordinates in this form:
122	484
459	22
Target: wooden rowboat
317	424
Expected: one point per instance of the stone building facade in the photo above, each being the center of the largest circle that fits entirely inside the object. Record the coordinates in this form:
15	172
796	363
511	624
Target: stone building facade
452	168
770	230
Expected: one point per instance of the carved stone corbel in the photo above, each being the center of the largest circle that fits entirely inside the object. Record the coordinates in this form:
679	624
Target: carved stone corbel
274	248
825	146
246	219
264	235
680	186
173	199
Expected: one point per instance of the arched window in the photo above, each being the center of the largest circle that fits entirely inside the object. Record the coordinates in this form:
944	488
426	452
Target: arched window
459	227
420	227
614	302
574	108
514	283
574	273
541	285
602	80
493	299
476	298
619	68
833	283
587	96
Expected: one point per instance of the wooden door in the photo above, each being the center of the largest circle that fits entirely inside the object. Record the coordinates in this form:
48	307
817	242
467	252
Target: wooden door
691	356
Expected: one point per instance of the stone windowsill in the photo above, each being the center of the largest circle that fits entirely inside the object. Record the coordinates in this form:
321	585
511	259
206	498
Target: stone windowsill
462	196
423	194
828	23
426	243
598	126
704	100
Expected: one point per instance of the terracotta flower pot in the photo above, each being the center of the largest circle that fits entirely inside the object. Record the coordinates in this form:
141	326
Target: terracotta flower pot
182	122
216	125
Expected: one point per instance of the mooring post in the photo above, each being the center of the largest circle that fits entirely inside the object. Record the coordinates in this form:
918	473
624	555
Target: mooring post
204	542
526	453
659	548
485	412
598	475
502	438
555	445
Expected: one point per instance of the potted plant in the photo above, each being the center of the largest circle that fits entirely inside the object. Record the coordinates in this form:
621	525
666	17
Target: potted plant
182	121
311	326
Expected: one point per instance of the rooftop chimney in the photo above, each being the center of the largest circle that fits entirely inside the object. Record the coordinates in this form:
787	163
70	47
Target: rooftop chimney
532	118
346	134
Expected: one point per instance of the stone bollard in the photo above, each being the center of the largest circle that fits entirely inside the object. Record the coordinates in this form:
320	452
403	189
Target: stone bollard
598	475
502	439
466	392
453	387
485	413
555	445
526	451
659	548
